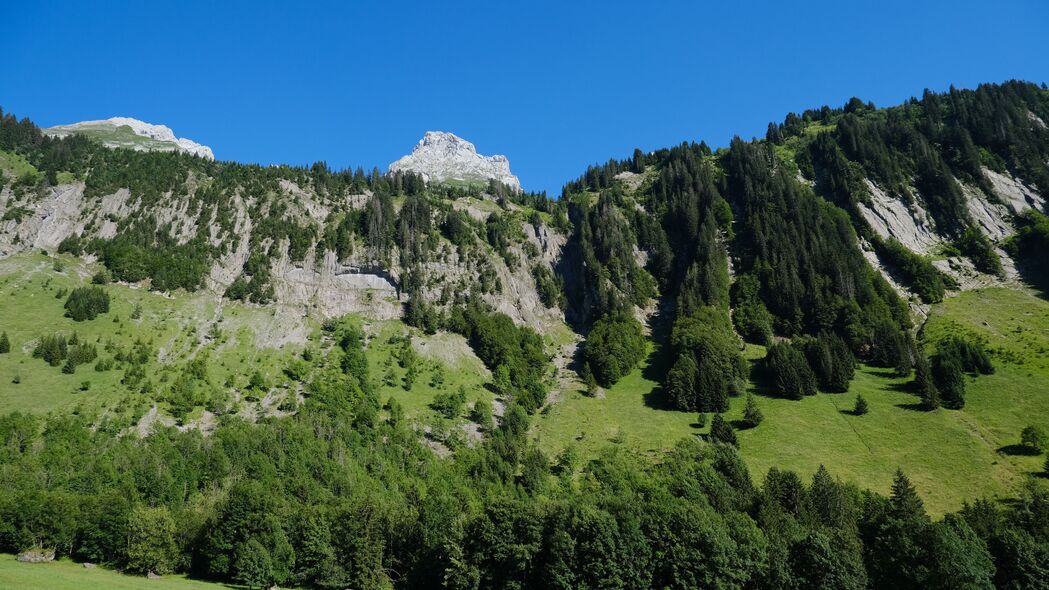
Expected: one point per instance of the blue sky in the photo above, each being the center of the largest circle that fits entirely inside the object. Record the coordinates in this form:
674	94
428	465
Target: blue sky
553	85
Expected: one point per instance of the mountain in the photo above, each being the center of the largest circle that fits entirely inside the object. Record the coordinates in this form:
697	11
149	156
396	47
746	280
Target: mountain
125	132
694	353
441	157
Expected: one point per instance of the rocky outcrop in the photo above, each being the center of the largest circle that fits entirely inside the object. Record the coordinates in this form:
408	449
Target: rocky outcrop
36	555
891	217
125	132
441	156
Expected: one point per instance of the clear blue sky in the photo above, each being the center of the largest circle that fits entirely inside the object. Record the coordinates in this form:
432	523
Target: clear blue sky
553	85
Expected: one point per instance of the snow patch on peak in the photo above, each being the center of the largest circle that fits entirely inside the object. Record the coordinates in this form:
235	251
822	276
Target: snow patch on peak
441	156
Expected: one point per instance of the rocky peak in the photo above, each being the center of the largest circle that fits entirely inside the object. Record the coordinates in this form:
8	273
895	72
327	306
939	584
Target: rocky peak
441	156
125	132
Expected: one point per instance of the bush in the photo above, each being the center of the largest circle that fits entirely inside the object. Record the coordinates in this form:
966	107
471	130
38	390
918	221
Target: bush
978	248
449	404
482	414
87	303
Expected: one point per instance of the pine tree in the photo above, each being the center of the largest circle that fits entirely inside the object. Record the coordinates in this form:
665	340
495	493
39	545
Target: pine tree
5	344
721	431
861	406
752	413
905	500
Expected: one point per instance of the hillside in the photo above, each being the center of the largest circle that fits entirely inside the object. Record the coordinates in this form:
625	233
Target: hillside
695	366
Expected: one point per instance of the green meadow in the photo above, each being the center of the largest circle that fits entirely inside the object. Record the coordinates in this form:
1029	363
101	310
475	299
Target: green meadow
66	575
950	456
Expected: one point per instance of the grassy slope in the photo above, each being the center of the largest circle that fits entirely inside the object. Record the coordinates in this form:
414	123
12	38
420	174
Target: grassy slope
66	575
461	368
14	165
951	456
175	327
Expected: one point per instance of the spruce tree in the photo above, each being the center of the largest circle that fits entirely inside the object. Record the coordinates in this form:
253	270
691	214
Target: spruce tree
752	413
905	500
721	431
5	344
861	406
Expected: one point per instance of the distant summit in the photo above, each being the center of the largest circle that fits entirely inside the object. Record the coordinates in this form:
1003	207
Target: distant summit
125	132
442	156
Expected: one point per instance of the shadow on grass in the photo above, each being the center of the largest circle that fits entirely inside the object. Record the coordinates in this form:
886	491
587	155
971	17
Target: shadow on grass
741	424
914	407
657	399
848	412
904	387
885	373
1018	450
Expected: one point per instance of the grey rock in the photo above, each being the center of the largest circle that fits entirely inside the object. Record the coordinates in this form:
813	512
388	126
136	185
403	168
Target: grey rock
442	156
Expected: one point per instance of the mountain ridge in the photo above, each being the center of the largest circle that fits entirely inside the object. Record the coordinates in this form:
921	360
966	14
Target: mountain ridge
110	132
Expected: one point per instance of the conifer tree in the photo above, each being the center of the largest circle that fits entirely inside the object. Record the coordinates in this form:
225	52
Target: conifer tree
860	407
905	500
5	344
752	413
949	380
721	431
923	384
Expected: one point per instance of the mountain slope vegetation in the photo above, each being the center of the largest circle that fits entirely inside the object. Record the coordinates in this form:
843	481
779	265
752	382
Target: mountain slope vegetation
299	376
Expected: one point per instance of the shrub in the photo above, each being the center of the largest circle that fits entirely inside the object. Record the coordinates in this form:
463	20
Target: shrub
449	404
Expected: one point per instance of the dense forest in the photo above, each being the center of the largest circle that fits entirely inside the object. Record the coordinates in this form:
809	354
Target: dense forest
687	253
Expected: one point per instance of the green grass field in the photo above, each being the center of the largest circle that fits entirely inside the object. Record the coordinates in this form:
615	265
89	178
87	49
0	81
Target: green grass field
66	575
950	456
176	328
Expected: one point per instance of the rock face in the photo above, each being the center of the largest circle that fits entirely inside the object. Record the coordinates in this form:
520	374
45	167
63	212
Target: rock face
441	156
125	132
